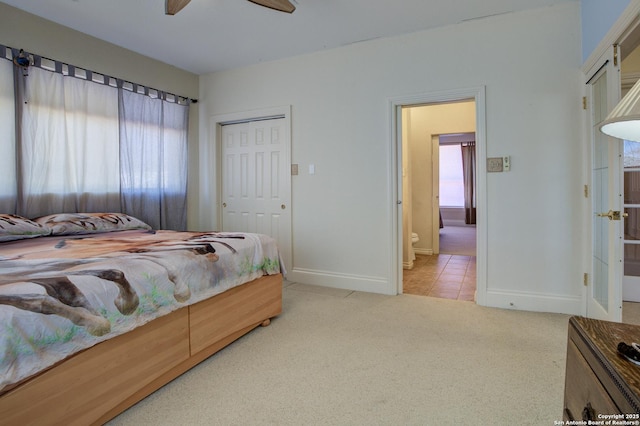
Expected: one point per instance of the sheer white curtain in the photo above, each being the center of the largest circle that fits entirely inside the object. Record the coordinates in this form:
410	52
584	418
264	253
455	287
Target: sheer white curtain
69	154
7	139
153	159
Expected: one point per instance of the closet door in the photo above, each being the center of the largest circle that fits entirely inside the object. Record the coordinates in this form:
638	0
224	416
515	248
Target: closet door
256	181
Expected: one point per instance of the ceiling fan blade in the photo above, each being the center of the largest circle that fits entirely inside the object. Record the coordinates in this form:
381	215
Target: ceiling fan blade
171	7
281	5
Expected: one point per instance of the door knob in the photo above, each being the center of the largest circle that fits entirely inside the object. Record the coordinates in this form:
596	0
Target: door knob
224	204
613	215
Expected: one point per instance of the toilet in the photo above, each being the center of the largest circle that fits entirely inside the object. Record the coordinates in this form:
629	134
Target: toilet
414	240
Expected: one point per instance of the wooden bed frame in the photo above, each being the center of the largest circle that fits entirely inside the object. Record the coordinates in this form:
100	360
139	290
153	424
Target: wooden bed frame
99	383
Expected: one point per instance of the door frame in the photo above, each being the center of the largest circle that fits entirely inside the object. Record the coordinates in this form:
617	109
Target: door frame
435	202
395	179
213	155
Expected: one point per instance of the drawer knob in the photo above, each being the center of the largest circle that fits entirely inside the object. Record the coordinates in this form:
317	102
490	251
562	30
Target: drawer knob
588	413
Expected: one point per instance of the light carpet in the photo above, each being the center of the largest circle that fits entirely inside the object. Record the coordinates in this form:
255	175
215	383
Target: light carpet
458	240
336	357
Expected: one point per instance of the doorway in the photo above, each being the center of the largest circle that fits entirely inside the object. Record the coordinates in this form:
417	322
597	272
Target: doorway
440	262
401	125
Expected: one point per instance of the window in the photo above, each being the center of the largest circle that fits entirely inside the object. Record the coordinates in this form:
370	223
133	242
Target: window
86	145
69	136
451	177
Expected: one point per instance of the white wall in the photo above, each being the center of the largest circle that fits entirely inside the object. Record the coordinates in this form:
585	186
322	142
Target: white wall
342	226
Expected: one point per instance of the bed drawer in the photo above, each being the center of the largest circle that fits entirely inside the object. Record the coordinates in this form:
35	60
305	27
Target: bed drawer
246	306
92	380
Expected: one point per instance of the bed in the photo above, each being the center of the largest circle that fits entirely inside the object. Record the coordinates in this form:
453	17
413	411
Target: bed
98	310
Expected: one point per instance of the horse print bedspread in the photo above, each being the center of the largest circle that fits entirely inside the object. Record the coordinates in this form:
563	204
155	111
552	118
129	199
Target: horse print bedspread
59	295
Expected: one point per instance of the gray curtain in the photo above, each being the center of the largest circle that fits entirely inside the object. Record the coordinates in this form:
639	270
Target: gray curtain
7	138
469	177
153	160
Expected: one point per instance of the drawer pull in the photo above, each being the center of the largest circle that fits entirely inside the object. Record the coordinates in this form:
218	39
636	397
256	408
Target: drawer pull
588	413
569	414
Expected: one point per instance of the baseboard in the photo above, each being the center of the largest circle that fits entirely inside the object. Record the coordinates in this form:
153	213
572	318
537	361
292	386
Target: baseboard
407	265
341	281
428	252
495	298
453	222
536	302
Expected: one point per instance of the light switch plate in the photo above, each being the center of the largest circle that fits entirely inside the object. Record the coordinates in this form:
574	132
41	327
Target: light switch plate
294	170
494	164
506	163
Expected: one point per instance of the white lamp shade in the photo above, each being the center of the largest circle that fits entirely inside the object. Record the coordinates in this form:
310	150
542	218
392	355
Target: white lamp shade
624	121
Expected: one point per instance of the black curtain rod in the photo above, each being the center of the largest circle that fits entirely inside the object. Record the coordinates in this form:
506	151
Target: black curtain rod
33	58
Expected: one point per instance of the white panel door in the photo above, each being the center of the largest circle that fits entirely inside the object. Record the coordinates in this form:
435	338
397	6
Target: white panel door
256	181
604	297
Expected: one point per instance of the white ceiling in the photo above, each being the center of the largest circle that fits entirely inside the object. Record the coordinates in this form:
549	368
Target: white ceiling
213	35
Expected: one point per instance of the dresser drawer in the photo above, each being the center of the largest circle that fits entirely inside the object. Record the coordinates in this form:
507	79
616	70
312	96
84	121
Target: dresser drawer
583	390
598	380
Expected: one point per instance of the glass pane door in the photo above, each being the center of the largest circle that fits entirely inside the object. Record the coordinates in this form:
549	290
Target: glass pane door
600	288
631	289
604	296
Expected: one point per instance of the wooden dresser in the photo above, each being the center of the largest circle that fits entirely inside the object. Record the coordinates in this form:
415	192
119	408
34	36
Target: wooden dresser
599	382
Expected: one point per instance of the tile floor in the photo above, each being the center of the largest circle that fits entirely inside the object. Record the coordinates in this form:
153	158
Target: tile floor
447	276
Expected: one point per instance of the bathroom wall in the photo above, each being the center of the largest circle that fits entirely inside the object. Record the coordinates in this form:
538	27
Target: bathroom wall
424	122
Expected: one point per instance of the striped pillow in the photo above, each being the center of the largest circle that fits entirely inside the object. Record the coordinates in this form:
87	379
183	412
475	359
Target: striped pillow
90	223
14	227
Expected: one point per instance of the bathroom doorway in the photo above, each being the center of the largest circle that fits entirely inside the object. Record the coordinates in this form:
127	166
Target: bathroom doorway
439	195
